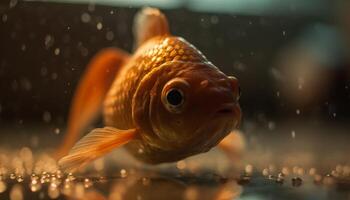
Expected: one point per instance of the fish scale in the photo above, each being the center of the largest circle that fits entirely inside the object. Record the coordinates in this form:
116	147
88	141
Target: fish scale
117	106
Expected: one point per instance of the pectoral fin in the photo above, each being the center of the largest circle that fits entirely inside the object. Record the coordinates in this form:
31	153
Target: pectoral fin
97	143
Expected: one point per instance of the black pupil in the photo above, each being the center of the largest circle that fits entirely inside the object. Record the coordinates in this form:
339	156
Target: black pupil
174	97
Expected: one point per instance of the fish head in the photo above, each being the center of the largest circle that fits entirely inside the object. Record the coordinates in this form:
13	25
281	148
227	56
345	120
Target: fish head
190	106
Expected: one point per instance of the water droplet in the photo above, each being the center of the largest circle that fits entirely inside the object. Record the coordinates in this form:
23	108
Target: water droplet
57	51
99	26
23	47
12	176
47	116
280	178
4	17
293	134
249	169
312	171
109	35
49	41
85	18
297	112
13	3
123	173
271	125
57	131
214	19
285	171
87	183
265	172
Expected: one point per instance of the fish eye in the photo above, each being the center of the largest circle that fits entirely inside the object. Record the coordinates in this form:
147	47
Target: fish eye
175	97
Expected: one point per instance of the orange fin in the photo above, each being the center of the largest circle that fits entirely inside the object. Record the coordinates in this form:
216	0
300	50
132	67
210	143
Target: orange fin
148	23
90	93
97	143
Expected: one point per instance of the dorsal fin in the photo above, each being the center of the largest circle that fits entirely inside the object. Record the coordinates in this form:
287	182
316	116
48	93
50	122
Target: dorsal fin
148	23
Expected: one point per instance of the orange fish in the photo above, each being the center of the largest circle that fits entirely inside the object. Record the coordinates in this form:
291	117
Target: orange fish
164	103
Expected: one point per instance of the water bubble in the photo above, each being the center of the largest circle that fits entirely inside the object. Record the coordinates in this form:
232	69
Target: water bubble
280	178
34	184
271	125
47	116
293	134
99	26
285	171
214	19
13	3
85	18
249	169
109	35
4	18
87	183
57	131
19	179
12	176
265	172
300	171
49	41
312	171
123	173
23	47
57	51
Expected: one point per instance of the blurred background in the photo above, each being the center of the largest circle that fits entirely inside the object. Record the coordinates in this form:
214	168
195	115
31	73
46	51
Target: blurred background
291	57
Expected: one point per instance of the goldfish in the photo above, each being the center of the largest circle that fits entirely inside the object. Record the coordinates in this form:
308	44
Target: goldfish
164	103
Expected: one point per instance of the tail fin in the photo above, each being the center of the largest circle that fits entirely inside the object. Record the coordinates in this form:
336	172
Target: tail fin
90	93
149	22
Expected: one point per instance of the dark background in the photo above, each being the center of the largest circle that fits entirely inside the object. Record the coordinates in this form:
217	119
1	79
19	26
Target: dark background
36	85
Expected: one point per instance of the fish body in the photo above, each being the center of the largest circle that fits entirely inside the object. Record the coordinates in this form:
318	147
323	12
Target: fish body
165	103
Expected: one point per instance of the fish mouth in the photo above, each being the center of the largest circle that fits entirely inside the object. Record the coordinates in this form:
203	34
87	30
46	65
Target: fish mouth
226	109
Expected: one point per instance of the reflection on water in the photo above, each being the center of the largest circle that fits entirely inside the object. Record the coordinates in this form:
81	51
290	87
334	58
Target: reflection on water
28	175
